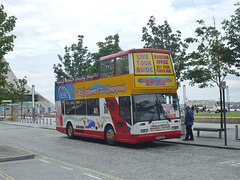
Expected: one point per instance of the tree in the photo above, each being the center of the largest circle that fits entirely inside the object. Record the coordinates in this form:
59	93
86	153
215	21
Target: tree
111	46
75	63
6	42
21	91
212	61
162	37
15	91
232	30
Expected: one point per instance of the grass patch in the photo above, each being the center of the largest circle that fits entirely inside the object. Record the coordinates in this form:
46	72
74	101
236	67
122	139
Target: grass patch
231	114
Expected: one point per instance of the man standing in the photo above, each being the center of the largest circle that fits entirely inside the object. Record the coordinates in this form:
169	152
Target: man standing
189	119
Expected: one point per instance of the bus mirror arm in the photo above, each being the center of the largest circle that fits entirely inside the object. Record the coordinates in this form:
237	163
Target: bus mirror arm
168	118
149	122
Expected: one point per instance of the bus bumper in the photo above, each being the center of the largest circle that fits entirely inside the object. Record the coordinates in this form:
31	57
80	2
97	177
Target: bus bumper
155	137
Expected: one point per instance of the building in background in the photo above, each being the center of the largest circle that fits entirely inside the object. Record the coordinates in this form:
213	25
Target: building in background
42	105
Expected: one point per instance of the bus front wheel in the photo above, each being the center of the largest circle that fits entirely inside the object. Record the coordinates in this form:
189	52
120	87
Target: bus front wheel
110	135
70	131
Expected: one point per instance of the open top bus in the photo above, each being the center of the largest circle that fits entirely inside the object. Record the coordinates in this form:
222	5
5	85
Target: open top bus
133	99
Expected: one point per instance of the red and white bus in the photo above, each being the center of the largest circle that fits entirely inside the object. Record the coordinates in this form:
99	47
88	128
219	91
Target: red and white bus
132	100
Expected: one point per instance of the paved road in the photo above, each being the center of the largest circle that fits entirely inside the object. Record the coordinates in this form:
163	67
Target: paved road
58	157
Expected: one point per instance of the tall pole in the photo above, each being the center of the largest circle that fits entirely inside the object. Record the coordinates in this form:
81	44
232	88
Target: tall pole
184	95
222	86
228	100
33	104
221	105
184	102
224	112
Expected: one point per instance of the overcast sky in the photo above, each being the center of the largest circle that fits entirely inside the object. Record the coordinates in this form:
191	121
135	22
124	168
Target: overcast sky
45	27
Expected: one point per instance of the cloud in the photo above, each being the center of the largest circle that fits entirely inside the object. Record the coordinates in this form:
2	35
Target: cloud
45	27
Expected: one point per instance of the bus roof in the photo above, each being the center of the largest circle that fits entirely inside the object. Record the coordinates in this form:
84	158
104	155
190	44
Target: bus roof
133	51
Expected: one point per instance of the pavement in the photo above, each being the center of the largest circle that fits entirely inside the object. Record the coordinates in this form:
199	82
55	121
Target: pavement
12	153
206	139
211	139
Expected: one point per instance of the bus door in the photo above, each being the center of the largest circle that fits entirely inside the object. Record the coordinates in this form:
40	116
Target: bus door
121	115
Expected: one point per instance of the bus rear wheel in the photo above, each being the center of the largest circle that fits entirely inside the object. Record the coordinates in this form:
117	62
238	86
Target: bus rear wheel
110	135
70	131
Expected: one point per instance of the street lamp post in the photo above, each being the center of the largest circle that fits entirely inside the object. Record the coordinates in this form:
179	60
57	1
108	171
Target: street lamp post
222	86
33	104
228	99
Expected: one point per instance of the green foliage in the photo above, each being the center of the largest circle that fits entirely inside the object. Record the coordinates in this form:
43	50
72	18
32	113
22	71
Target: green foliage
110	46
6	42
3	73
75	63
162	37
15	92
228	114
6	26
20	90
212	60
232	30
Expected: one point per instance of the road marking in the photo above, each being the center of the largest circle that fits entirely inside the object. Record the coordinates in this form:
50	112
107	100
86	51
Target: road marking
44	161
83	168
70	169
92	176
209	157
185	154
71	165
5	176
232	163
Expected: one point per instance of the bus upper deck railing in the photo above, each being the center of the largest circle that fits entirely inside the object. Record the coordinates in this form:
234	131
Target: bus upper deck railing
81	79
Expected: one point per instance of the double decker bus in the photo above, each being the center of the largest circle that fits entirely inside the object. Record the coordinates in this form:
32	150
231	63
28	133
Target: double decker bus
132	100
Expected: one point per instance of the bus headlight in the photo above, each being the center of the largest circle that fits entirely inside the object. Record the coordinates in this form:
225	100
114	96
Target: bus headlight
174	127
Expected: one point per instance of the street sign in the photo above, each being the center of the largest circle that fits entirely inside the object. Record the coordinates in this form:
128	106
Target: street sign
222	85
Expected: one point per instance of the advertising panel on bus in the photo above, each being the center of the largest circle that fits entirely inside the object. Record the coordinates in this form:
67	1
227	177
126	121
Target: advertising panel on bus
162	63
64	92
157	81
106	87
152	63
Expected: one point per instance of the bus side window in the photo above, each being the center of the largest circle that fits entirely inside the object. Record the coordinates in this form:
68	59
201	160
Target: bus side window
125	108
69	107
62	104
92	106
81	107
107	68
121	67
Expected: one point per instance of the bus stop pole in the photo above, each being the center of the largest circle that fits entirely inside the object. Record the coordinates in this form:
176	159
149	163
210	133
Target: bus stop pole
222	86
184	102
224	112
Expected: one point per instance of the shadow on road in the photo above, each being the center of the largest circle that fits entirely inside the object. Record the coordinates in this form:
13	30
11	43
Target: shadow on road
145	145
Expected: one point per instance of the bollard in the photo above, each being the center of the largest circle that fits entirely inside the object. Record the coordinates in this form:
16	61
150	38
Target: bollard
47	121
43	120
236	132
50	121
